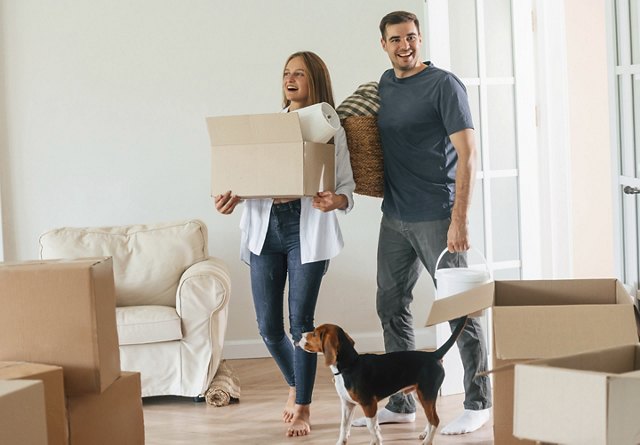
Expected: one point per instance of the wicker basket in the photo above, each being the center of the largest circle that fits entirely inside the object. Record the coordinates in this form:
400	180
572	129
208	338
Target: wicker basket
366	154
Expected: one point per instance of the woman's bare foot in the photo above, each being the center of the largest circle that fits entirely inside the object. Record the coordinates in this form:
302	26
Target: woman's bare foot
289	408
300	425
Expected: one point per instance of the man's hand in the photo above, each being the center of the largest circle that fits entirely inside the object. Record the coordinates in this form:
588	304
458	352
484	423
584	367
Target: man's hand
458	236
328	201
226	203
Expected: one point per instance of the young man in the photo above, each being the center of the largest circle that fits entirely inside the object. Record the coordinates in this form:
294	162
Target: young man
429	152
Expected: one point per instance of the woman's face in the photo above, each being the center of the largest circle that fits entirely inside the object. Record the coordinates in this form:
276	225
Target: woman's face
296	84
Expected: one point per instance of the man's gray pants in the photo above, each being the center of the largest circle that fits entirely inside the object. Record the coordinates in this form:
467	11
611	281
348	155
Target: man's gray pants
404	250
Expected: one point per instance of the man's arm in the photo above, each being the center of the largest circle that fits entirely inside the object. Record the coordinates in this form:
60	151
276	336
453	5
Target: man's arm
464	143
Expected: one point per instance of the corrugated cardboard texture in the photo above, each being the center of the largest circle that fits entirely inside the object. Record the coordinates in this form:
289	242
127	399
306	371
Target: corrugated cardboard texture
503	382
22	412
557	292
113	417
51	377
254	129
464	303
264	155
595	398
531	332
562	398
544	318
62	313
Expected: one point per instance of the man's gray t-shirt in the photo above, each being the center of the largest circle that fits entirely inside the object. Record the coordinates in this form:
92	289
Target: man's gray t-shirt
417	115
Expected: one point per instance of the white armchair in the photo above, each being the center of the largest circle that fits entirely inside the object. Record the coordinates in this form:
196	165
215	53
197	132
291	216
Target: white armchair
171	298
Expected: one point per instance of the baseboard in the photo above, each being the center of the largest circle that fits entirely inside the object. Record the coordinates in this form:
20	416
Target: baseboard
365	342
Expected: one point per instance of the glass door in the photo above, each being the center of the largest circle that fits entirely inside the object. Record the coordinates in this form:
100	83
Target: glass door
488	45
624	56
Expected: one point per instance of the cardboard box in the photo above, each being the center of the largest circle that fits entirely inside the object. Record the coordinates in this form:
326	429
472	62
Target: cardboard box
62	313
22	413
264	155
537	319
113	417
589	398
52	379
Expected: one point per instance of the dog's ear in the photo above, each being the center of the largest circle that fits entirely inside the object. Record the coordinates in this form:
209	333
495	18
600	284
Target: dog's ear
329	347
348	337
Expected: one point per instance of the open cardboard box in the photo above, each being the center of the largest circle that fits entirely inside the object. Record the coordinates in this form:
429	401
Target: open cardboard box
592	398
538	319
264	155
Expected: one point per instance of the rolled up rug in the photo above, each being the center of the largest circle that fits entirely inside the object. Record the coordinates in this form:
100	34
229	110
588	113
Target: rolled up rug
224	388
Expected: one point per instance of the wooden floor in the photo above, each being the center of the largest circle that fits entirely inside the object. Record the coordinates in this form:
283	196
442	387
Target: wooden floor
256	419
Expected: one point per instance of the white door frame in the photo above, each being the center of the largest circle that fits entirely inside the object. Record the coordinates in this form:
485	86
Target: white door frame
528	180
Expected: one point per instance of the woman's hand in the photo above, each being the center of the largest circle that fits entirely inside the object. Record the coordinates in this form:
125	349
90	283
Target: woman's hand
226	203
328	201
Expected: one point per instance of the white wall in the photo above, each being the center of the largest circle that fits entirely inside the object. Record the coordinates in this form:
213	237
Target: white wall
102	108
591	200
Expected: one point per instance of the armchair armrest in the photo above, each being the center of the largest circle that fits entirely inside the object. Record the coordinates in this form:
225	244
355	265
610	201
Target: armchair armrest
202	303
203	288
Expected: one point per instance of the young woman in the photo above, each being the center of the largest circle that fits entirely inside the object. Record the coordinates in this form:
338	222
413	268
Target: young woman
294	239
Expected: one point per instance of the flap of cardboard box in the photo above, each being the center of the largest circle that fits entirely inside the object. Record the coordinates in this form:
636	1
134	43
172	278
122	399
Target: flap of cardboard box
464	303
526	332
254	129
557	292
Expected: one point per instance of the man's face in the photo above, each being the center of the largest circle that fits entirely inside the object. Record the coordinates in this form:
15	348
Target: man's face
402	44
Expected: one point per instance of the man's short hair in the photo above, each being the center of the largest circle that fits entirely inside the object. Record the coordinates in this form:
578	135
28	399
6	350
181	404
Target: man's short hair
393	18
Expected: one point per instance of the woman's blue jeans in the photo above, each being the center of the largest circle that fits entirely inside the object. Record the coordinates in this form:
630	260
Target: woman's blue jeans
280	257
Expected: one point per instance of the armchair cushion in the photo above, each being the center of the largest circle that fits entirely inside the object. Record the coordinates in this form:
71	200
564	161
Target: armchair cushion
147	324
144	273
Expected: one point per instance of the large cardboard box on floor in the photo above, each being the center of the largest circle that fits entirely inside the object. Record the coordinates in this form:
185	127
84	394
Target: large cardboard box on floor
55	407
22	413
538	319
62	312
112	417
264	155
589	398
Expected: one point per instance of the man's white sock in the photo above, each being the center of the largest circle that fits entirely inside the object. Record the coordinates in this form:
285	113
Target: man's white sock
467	422
386	416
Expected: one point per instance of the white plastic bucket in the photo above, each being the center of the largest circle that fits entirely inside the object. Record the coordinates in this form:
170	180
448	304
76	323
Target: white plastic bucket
455	280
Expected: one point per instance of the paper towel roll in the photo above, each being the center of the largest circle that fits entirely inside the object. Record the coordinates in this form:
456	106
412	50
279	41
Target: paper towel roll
319	122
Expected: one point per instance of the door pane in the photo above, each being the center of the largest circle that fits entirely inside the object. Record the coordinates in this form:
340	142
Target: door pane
634	19
497	19
502	127
476	218
506	274
463	38
505	220
636	121
474	105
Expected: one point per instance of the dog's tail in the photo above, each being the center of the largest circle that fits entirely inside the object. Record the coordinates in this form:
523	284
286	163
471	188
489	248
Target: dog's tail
442	350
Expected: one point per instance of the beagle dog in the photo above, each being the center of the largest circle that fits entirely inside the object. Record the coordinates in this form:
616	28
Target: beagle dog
365	379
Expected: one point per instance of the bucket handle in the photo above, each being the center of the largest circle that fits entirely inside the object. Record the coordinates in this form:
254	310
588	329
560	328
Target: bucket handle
484	260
